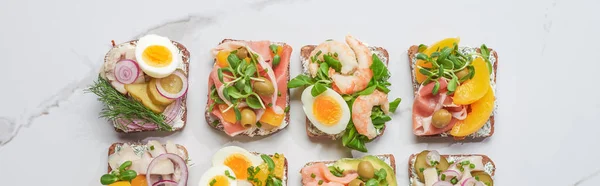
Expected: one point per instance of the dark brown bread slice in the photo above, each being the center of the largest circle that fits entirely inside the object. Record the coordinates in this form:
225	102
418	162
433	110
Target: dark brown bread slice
112	149
485	160
185	58
219	126
305	55
388	156
413	50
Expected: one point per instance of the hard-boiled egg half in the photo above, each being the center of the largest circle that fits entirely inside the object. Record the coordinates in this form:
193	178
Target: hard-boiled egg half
157	56
237	159
218	176
328	111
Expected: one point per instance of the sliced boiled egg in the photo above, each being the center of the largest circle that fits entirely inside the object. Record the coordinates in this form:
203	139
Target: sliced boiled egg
327	111
236	158
157	56
218	176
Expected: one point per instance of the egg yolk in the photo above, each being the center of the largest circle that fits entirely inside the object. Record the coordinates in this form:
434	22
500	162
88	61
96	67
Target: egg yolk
239	164
157	56
140	180
327	110
219	180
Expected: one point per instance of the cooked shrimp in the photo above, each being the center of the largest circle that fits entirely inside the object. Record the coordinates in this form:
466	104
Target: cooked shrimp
361	112
344	54
357	81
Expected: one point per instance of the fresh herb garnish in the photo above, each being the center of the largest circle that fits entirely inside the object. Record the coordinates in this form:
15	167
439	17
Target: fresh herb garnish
152	147
212	182
472	166
118	106
269	162
229	175
421	169
454	180
313	175
320	182
336	171
443	177
122	174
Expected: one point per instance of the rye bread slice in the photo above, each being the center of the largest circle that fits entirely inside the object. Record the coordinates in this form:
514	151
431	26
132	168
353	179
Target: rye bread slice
313	131
112	149
211	120
389	157
485	160
185	58
413	50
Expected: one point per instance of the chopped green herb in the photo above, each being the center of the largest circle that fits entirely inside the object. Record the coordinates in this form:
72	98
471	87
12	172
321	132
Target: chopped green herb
269	162
320	182
477	178
454	180
472	166
152	147
229	175
212	182
421	169
313	175
258	124
443	177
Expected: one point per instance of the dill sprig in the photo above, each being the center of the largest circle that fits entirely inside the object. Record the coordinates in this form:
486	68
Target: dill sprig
118	106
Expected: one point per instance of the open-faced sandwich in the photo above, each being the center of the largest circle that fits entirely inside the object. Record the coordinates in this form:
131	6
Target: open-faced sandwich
454	89
429	168
153	163
369	170
347	91
247	88
232	166
143	85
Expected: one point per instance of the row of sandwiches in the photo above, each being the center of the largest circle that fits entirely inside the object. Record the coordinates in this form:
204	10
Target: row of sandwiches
153	163
143	84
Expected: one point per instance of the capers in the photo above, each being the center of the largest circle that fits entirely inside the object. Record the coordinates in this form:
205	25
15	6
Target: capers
366	170
462	73
242	53
441	118
248	118
263	87
356	182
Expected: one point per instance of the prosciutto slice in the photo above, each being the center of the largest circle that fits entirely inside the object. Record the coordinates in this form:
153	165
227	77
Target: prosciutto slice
278	76
426	104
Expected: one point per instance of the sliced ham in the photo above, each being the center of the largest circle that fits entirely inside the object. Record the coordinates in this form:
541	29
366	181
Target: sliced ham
321	172
426	104
278	76
265	67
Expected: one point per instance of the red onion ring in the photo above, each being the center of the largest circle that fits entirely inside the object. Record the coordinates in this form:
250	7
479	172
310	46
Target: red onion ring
172	111
177	160
181	92
451	174
165	183
126	71
442	183
433	156
472	182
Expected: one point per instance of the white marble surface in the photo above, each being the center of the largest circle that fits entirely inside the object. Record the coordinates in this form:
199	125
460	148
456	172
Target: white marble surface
548	116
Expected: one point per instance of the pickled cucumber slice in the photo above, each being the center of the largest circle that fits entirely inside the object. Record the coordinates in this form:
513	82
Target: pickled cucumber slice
483	177
421	164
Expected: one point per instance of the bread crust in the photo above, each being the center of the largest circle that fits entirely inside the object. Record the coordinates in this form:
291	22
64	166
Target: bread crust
485	159
186	61
305	54
413	50
112	150
219	126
